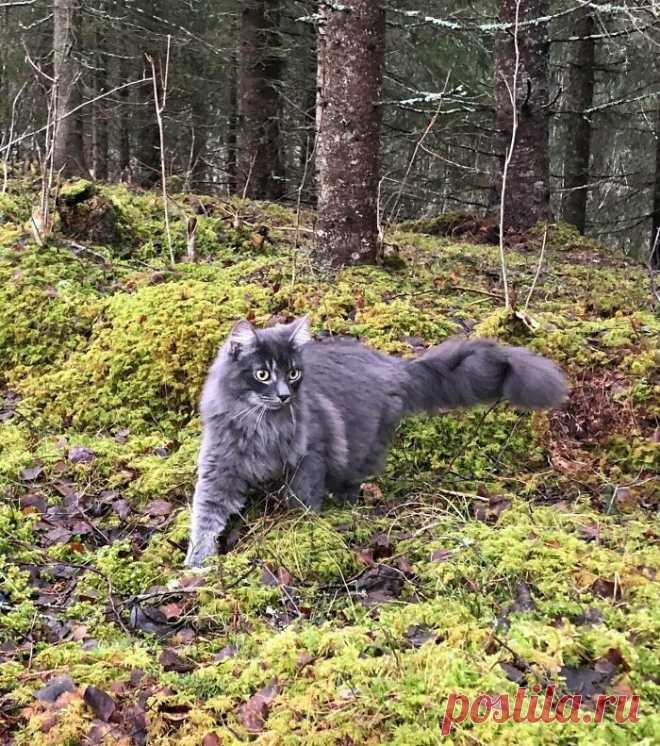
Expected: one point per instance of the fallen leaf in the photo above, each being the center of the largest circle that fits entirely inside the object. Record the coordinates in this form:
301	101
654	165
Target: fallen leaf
524	600
276	578
211	739
81	455
101	704
170	660
381	546
172	611
380	583
365	556
614	658
418	634
441	555
254	712
589	616
490	512
122	508
31	473
371	492
513	673
304	659
589	532
229	651
148	619
34	502
585	680
625	499
49	722
54	688
404	564
58	535
159	508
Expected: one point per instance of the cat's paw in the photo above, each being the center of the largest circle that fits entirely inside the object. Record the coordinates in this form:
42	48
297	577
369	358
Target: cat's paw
200	550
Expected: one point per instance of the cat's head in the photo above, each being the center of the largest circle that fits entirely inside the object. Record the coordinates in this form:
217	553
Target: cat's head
265	365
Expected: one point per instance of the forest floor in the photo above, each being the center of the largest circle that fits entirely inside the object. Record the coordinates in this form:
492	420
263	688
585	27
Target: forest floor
499	549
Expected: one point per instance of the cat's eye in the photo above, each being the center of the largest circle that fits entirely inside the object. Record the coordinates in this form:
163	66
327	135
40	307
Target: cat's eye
262	375
294	374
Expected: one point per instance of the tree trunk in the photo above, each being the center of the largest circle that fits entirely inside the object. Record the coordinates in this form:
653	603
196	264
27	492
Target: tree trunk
68	154
232	124
147	138
351	44
124	129
99	113
259	163
527	193
579	98
655	223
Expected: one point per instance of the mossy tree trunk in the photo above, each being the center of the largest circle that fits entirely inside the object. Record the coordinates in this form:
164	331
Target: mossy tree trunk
351	44
527	193
260	164
68	153
579	98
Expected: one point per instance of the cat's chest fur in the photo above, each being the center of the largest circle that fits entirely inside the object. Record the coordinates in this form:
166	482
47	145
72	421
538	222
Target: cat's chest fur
265	447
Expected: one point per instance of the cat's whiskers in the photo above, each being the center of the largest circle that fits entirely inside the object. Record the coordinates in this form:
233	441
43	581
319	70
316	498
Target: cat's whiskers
260	418
245	413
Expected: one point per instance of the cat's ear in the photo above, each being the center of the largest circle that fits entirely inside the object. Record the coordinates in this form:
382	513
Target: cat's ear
242	337
300	333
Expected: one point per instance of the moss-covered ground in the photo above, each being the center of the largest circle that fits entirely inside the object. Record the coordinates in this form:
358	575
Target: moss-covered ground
499	549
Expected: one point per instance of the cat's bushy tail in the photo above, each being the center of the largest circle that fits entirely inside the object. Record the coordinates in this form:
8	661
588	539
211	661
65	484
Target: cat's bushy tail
462	373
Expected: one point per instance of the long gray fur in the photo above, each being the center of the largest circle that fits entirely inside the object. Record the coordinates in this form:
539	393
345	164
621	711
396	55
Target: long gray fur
330	430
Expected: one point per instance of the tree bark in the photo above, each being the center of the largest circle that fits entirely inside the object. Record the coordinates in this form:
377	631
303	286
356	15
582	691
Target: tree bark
146	137
260	164
655	222
527	193
232	124
99	112
351	44
124	129
68	154
579	98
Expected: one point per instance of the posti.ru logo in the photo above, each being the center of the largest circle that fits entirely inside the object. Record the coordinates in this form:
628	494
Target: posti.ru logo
536	705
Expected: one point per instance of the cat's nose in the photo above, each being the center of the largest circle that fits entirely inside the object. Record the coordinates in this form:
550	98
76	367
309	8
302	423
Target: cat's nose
284	398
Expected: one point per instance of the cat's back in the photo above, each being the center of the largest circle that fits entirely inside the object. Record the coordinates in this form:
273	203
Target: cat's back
346	368
345	354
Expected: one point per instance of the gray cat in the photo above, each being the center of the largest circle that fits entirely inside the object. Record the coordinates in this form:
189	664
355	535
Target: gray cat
318	416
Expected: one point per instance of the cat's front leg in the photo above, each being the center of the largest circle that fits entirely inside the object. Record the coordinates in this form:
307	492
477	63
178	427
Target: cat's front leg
307	486
218	496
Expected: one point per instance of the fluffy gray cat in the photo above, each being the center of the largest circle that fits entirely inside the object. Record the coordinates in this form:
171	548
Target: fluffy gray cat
318	416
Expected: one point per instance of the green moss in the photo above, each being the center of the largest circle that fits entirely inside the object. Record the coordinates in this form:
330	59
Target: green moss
49	301
14	208
76	191
110	354
146	360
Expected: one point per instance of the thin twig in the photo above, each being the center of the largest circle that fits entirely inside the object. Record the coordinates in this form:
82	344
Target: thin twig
653	270
538	269
418	145
513	92
249	175
5	162
69	113
159	104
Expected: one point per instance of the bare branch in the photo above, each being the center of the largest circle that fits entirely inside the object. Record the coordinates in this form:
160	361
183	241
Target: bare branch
61	118
513	94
